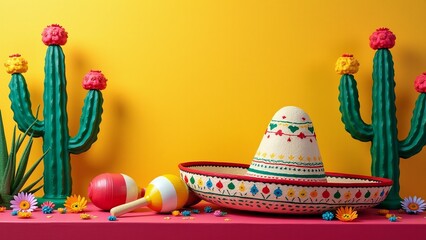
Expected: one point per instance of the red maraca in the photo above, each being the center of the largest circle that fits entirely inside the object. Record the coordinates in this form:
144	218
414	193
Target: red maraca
163	194
108	190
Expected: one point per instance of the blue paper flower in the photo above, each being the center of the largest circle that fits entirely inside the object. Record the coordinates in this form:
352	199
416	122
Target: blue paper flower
186	213
112	218
328	216
208	209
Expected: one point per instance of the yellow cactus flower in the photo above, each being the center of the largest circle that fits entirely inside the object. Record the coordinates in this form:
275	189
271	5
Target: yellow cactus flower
16	64
347	64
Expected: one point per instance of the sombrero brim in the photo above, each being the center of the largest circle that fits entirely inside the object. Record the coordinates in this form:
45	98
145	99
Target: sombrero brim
226	185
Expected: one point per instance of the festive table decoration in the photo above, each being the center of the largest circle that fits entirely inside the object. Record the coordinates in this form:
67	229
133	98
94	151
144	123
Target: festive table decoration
47	207
13	176
328	216
54	126
109	190
220	183
346	214
386	149
163	194
22	214
413	205
286	175
75	204
24	202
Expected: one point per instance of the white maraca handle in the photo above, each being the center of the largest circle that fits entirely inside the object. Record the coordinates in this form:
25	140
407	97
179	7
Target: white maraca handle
128	207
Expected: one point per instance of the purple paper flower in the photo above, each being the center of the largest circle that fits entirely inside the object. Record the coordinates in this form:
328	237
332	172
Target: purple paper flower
413	205
23	202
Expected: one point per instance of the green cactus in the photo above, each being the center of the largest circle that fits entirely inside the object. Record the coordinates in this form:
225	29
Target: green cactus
54	127
386	149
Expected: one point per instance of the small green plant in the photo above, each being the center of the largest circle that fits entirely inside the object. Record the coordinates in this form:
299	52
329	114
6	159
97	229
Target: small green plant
13	176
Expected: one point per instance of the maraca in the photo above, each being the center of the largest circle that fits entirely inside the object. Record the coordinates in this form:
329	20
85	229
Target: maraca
163	194
108	190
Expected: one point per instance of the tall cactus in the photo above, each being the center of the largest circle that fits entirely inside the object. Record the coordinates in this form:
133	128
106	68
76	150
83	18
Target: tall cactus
54	127
386	149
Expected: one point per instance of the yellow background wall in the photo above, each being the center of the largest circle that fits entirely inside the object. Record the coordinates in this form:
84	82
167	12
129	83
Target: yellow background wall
200	80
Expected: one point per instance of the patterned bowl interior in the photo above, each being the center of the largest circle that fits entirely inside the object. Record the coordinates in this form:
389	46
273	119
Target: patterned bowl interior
226	185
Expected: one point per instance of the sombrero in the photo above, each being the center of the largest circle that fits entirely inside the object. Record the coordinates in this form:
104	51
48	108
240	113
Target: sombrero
286	175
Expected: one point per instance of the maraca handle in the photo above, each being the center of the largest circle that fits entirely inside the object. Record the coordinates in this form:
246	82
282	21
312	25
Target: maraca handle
128	207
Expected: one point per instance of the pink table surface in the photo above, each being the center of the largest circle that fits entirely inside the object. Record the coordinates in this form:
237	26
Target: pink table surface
144	223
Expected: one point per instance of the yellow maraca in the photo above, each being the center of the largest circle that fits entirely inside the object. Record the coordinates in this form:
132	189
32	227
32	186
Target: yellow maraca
163	194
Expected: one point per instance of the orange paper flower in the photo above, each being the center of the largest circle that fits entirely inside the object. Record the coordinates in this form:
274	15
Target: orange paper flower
75	204
346	214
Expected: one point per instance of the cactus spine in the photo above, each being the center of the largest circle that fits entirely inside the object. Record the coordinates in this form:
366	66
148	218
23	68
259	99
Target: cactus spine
386	149
54	127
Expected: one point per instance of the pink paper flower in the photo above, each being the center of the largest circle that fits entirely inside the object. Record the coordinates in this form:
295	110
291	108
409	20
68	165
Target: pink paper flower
23	202
54	35
420	83
94	80
382	38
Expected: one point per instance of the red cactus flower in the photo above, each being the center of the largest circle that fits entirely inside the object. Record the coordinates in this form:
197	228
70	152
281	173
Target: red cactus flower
420	83
54	35
94	80
382	38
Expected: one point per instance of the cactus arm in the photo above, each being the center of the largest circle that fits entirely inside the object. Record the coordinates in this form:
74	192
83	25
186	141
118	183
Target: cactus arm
89	123
349	107
21	106
416	138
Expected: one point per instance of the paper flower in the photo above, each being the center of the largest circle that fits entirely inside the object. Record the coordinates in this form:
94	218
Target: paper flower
54	35
382	38
346	64
85	216
393	218
24	214
94	80
62	210
175	213
328	216
346	214
23	202
2	209
208	209
413	205
75	204
186	213
112	218
47	207
16	64
219	213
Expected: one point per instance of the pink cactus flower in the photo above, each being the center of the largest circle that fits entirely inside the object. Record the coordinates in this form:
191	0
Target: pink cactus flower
94	80
420	83
54	35
382	38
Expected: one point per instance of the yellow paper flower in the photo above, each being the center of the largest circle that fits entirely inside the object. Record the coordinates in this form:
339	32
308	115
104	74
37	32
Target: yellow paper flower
347	64
24	214
346	214
75	203
16	64
85	216
2	209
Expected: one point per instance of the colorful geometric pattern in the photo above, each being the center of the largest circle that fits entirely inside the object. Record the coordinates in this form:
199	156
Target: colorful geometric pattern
289	149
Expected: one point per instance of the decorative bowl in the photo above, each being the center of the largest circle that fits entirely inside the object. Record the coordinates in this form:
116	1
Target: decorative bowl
226	185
